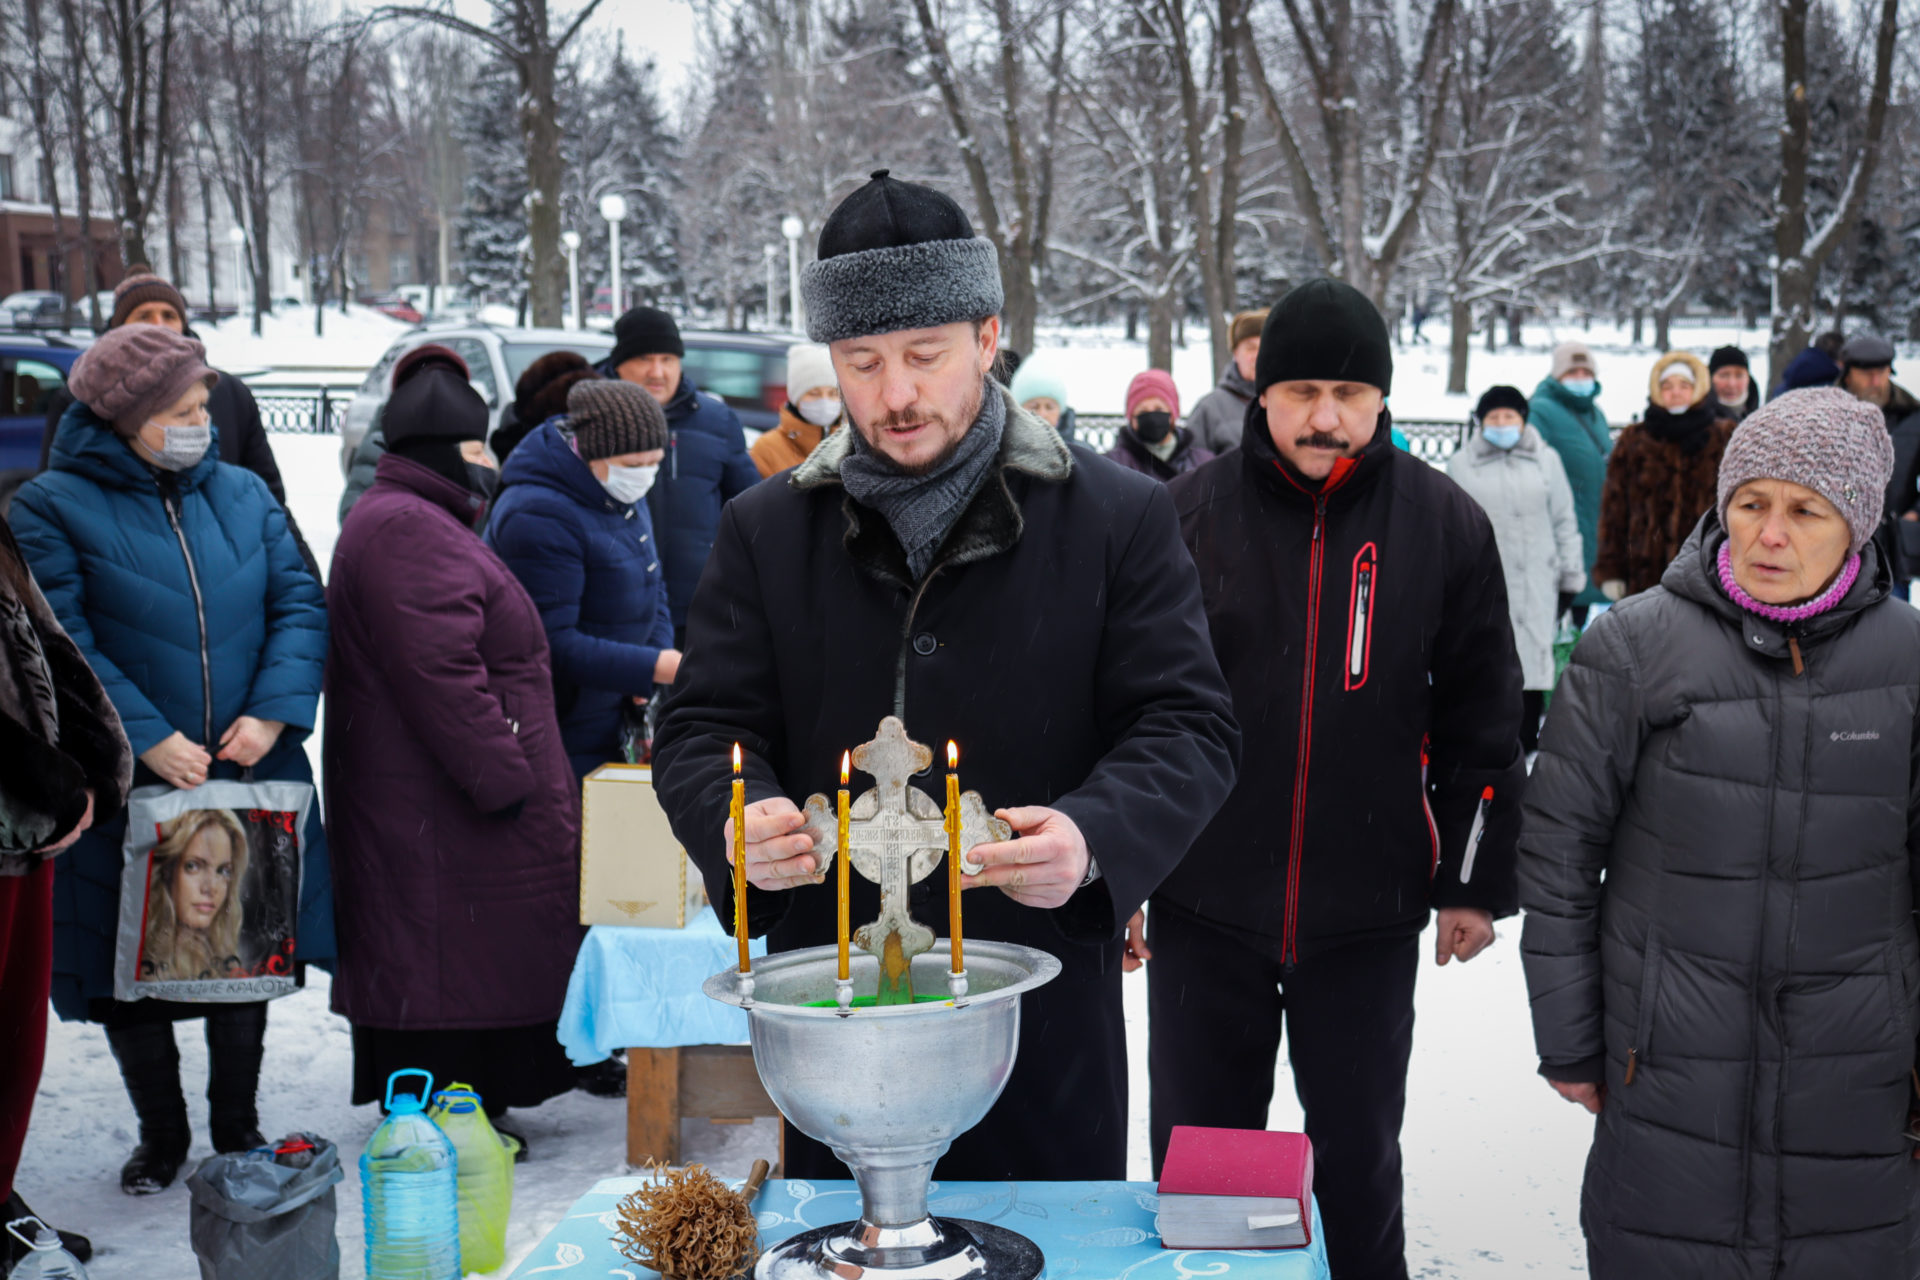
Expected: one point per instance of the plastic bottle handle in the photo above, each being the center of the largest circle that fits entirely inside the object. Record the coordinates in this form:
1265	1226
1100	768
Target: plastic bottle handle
410	1071
13	1229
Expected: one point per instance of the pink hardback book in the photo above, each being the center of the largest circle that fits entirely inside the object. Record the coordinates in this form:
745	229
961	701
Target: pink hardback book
1236	1189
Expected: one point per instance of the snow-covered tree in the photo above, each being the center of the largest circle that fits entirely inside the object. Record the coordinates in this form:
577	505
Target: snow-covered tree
493	221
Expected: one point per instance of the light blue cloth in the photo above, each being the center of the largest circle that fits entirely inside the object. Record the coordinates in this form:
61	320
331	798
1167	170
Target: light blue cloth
640	988
1087	1230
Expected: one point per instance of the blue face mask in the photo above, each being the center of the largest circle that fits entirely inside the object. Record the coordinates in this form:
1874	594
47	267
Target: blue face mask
1586	388
1501	437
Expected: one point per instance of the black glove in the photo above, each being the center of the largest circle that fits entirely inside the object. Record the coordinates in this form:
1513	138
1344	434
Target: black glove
1565	603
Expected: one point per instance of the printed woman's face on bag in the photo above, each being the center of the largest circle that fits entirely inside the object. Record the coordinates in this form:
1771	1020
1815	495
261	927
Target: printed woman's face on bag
203	878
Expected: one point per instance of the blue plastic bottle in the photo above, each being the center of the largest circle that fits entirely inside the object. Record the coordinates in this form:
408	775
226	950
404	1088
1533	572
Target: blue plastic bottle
409	1178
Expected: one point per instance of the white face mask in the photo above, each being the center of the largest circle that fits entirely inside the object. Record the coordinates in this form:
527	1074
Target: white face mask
183	448
821	413
629	484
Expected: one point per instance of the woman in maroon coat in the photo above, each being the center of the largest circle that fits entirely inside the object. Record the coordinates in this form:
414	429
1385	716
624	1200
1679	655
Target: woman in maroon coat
453	810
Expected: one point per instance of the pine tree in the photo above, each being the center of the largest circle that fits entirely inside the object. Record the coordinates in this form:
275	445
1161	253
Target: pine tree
493	221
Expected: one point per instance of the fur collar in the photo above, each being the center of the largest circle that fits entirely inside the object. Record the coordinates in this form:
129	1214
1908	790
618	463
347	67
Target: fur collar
992	522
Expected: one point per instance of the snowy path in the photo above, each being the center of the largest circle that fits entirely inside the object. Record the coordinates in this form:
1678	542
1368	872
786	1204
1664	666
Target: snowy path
1493	1157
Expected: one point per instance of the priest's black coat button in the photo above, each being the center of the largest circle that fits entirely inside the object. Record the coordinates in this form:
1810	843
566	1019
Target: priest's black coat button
924	644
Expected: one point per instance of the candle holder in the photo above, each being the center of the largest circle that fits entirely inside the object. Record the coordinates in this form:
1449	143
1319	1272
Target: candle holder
877	1066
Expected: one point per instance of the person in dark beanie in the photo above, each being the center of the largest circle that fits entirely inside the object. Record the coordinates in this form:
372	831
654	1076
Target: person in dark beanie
1215	422
454	811
373	446
144	298
1357	605
67	763
540	394
572	524
1813	366
1153	442
179	579
1520	483
1735	393
707	461
912	566
1717	863
1866	373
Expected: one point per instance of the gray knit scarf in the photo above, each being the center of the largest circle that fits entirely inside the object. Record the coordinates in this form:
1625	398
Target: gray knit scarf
922	509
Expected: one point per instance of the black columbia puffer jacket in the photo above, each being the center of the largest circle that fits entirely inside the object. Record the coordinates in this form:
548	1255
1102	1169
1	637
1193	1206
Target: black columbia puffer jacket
1746	976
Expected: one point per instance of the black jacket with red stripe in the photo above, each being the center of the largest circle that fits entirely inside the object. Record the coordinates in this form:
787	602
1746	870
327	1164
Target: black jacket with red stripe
1362	627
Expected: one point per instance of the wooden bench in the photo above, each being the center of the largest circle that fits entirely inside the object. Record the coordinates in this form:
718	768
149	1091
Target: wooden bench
714	1082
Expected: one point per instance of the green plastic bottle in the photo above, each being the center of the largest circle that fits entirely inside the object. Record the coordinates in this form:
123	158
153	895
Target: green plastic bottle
485	1176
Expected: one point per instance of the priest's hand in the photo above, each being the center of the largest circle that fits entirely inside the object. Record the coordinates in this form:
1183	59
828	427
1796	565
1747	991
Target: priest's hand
1042	866
1136	953
779	854
1464	933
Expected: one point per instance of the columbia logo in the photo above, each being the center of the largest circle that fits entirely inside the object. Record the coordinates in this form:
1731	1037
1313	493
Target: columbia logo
1850	736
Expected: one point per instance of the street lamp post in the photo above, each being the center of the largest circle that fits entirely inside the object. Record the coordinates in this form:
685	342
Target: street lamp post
791	227
571	239
237	237
613	207
773	287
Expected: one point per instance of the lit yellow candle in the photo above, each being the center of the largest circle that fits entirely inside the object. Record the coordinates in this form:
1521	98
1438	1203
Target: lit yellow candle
846	861
740	860
953	855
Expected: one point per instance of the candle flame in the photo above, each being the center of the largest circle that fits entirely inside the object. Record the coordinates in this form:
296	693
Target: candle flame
953	755
736	757
846	766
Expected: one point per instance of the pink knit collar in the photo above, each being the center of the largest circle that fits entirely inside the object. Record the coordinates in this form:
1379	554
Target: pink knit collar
1813	608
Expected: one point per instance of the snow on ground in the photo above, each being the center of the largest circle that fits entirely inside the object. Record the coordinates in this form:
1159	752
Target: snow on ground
287	343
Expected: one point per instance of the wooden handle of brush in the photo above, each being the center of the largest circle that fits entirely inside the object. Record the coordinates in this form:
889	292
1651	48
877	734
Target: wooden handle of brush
754	1180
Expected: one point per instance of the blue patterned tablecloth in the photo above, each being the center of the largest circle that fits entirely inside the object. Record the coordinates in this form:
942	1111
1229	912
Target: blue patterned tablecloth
640	988
1088	1230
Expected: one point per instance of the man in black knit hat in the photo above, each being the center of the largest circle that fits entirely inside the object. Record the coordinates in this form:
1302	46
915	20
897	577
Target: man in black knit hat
950	561
1359	612
707	461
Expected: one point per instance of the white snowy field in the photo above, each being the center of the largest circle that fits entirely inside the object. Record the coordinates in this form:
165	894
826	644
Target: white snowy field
1493	1157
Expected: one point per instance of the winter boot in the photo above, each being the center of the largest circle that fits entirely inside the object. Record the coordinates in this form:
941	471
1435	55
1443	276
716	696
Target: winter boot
236	1040
150	1064
606	1079
10	1249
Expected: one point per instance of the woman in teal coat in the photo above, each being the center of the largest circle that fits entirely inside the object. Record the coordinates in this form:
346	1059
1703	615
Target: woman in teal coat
179	579
1565	410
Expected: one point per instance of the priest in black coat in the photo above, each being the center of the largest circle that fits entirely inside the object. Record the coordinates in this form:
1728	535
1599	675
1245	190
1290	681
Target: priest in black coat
952	562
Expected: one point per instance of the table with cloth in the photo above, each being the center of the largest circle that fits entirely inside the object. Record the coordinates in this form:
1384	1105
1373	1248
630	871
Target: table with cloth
1087	1230
638	989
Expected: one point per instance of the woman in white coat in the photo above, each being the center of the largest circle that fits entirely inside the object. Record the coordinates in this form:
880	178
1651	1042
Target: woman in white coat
1517	478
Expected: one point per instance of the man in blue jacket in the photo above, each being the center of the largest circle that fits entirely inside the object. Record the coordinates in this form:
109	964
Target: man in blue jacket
707	461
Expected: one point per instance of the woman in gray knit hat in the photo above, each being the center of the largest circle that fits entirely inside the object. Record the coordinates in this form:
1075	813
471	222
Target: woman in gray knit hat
1718	866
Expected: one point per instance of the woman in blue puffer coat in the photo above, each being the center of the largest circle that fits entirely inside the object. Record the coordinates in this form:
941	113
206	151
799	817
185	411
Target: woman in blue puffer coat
177	576
571	522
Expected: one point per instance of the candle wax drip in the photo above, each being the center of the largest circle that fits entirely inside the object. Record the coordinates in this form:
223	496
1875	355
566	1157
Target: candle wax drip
896	972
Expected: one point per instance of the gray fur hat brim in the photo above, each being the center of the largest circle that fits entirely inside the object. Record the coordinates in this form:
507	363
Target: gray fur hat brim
909	286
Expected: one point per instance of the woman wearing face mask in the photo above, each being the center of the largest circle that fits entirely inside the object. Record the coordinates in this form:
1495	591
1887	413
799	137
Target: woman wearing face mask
179	579
454	812
1660	477
572	524
1565	410
811	414
1153	442
1509	470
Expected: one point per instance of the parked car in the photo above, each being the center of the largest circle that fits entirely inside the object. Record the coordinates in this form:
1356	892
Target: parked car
747	370
37	309
392	304
496	357
32	370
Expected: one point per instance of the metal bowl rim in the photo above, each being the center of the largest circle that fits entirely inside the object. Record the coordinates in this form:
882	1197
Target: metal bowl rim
1042	967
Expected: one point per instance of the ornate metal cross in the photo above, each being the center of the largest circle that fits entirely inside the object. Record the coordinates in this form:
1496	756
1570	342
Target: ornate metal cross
898	837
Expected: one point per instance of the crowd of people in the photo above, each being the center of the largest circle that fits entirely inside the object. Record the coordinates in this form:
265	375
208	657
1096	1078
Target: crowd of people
1275	677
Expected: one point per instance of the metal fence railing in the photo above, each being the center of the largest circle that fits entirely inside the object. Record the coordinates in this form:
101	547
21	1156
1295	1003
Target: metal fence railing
318	411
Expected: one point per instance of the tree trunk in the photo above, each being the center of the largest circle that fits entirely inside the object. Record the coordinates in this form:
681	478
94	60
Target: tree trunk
78	113
1493	325
1515	316
1160	316
1639	325
1663	329
1459	345
546	167
1233	134
260	215
1199	203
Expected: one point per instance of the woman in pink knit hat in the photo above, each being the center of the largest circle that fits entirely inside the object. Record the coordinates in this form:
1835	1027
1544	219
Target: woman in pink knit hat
1153	442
